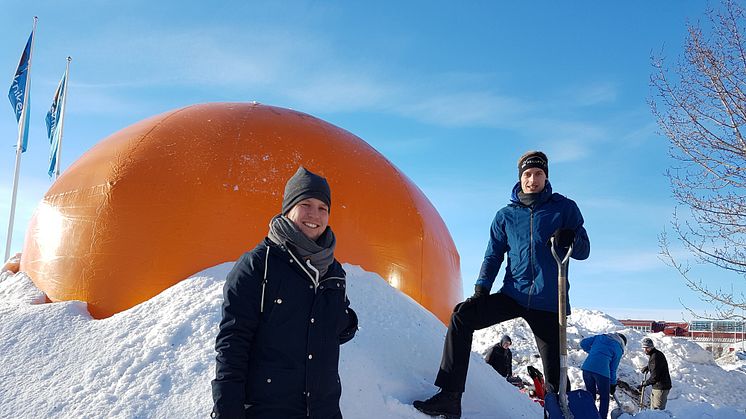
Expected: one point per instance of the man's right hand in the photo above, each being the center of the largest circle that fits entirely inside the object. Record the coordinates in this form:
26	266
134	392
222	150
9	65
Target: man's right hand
479	292
645	370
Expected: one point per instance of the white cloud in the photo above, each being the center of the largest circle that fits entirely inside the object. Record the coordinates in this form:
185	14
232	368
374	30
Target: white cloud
621	261
596	93
466	108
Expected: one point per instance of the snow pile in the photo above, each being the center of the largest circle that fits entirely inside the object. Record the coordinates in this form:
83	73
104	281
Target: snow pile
733	361
156	360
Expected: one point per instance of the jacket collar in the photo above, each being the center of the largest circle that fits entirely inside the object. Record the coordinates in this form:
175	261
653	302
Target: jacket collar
545	194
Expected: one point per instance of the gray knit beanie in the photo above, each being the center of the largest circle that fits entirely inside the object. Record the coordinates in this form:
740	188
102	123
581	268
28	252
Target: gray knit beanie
303	185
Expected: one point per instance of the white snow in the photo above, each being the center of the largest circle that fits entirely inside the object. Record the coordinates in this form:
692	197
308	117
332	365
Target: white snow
156	360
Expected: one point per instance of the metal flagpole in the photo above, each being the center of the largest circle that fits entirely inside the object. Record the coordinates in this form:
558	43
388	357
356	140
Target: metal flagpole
62	119
19	148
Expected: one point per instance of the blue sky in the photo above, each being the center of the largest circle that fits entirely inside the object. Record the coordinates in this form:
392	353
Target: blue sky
452	93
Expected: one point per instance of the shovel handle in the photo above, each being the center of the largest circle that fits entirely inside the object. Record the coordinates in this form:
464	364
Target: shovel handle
562	311
563	261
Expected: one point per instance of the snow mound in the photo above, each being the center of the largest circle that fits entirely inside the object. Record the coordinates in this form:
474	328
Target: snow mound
156	360
733	361
17	288
701	388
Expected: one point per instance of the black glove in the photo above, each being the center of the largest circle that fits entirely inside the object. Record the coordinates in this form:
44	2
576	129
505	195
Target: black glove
563	237
640	387
479	292
612	389
352	326
645	369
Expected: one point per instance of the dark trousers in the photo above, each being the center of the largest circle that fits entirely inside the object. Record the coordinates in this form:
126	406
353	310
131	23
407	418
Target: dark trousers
599	385
485	312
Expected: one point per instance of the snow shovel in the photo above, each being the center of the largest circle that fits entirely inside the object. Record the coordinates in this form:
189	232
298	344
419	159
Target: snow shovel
642	389
577	404
618	411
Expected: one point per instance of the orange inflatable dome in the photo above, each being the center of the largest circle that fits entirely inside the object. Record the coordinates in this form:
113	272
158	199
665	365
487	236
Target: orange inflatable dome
192	188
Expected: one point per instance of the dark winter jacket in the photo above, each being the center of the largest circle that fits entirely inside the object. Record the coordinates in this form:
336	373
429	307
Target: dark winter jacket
604	354
659	378
523	232
278	344
500	359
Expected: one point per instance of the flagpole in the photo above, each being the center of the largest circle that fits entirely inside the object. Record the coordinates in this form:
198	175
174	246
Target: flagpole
62	118
19	143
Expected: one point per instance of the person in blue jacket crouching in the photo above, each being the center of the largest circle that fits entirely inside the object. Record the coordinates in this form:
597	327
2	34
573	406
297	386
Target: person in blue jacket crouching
599	368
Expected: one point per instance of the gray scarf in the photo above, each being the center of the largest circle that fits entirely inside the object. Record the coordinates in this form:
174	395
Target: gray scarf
283	231
529	199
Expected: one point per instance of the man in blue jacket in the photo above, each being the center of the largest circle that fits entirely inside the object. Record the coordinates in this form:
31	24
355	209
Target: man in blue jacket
521	230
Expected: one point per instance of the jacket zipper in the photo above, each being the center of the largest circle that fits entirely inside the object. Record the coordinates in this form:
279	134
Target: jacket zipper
316	282
314	278
264	282
531	259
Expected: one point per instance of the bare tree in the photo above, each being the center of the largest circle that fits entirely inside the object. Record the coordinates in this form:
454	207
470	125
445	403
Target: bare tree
700	106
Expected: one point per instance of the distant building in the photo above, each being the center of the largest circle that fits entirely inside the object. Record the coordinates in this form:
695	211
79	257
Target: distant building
645	326
717	330
714	335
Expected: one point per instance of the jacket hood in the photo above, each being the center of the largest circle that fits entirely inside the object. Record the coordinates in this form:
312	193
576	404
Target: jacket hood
618	339
546	193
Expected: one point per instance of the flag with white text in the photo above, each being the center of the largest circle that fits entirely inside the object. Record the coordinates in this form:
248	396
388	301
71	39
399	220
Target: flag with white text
54	117
18	90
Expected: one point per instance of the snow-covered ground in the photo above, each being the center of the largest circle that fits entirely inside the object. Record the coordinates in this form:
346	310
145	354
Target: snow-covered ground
156	360
733	361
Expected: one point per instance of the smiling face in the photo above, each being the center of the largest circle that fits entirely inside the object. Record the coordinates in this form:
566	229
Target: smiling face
533	180
311	216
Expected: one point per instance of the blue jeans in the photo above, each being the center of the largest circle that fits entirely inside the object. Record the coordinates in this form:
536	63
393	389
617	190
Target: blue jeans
598	384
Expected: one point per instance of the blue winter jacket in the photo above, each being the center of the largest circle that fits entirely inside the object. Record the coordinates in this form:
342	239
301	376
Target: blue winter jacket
604	354
523	232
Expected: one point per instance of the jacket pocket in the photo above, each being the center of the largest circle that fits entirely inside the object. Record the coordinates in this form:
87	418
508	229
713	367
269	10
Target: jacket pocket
269	386
328	390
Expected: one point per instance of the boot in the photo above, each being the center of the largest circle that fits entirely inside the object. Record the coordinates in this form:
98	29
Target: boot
444	403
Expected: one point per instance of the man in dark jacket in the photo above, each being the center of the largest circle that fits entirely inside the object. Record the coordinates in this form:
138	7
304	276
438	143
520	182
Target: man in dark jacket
660	378
521	230
285	314
500	357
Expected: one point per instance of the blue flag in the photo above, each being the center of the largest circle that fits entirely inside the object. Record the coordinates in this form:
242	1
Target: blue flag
18	90
54	116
